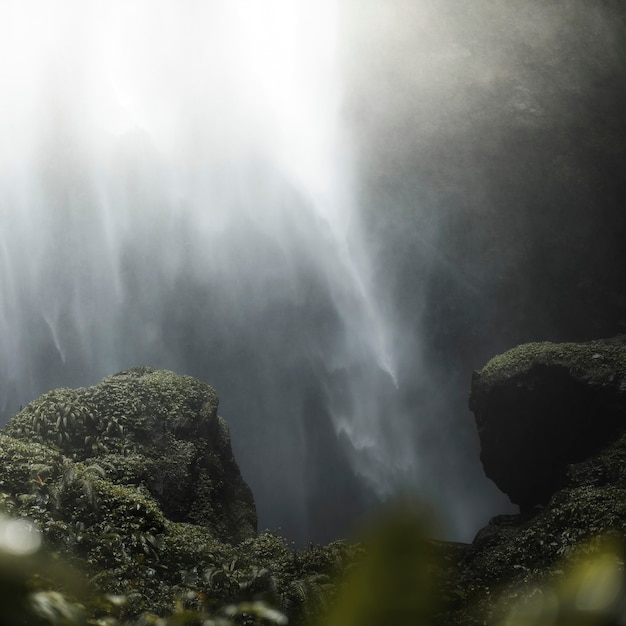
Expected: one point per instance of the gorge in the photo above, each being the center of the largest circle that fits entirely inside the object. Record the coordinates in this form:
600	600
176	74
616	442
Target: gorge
332	212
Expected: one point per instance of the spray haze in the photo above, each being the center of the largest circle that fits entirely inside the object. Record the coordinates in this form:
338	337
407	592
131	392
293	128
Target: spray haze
318	208
177	191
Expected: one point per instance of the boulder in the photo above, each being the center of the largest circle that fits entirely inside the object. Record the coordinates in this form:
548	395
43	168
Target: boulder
543	406
551	421
152	429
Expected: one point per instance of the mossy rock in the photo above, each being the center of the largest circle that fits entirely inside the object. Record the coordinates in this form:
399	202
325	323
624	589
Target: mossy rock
543	406
551	420
514	556
117	535
152	428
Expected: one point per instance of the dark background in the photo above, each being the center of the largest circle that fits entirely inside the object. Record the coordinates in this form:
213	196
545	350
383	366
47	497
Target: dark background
492	154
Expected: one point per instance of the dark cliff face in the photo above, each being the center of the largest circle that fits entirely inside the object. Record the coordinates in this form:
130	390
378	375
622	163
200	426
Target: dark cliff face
493	167
152	428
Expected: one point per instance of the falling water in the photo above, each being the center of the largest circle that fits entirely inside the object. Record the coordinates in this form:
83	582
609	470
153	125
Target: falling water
177	189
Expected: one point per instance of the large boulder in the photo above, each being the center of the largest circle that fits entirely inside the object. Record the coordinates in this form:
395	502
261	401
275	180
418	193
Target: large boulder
541	407
551	420
153	429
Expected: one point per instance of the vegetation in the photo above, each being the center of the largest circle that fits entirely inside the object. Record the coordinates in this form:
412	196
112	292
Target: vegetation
393	577
126	548
138	568
154	430
90	537
133	483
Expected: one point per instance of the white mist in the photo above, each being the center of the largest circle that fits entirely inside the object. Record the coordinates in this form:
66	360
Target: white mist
174	176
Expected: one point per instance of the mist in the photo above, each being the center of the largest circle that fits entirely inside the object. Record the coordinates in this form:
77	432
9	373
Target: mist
332	212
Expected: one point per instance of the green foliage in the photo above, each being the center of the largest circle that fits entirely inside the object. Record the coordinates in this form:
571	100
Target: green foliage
36	590
119	415
395	580
150	429
118	536
591	591
393	577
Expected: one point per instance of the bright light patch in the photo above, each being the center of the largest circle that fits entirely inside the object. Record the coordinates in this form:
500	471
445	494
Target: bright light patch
601	585
18	536
232	78
123	121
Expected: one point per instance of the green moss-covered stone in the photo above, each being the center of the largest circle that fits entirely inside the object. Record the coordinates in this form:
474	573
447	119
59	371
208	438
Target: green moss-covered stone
133	481
152	428
543	406
551	423
596	362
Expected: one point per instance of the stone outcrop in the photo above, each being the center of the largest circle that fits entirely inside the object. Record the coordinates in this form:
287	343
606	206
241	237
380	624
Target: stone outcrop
541	407
551	419
153	429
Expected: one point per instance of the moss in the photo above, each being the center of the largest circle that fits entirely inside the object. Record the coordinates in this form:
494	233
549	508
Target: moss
153	429
130	469
21	462
550	420
542	406
608	467
597	362
143	493
124	412
515	552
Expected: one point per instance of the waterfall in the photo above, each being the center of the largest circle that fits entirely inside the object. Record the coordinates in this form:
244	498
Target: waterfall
177	189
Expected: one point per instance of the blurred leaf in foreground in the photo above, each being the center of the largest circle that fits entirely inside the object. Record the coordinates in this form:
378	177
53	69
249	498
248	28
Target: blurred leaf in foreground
394	584
591	592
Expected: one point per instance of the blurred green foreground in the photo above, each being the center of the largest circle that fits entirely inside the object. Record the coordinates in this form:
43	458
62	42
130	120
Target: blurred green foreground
396	578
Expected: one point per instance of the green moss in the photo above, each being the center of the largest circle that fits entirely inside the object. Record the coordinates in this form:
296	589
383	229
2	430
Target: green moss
130	469
141	489
24	466
588	501
598	362
118	415
153	429
514	552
